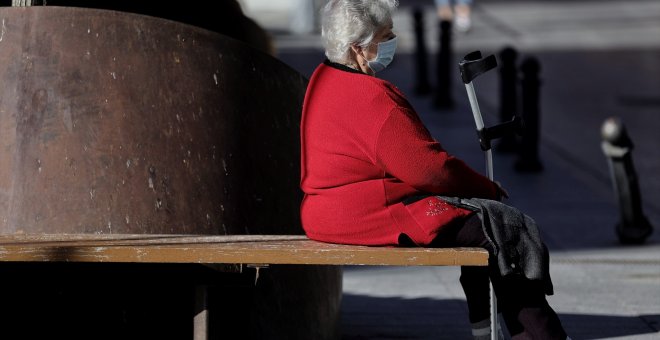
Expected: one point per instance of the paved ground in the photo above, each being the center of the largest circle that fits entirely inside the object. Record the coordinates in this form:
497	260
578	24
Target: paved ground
599	59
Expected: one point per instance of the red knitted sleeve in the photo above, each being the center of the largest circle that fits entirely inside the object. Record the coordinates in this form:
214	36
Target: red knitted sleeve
405	149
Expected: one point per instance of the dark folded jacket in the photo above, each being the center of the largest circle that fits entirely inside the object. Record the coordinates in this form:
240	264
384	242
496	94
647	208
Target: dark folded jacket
514	237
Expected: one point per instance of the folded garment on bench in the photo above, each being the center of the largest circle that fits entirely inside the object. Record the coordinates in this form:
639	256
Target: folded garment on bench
514	236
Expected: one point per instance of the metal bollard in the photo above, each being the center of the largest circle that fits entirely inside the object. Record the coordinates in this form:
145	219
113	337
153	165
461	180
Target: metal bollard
443	98
422	85
617	146
528	160
508	95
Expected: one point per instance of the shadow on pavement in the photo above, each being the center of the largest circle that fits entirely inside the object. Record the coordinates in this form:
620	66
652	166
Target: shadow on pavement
370	317
582	326
367	317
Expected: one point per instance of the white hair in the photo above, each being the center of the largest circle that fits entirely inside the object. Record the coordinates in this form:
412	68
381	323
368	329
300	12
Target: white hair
347	22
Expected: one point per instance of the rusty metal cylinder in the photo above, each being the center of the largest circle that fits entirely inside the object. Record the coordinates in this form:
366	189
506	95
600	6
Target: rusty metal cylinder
120	123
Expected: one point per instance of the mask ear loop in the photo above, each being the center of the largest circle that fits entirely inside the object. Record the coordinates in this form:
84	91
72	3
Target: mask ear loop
354	48
365	61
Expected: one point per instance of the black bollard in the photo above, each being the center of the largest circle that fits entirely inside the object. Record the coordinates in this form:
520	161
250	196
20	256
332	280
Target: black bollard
508	95
528	160
422	85
634	227
443	98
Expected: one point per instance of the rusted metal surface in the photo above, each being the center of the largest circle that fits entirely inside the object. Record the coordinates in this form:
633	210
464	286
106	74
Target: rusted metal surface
112	124
118	123
262	249
226	16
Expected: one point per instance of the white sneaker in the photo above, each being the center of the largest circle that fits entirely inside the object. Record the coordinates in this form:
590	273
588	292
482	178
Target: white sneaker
463	23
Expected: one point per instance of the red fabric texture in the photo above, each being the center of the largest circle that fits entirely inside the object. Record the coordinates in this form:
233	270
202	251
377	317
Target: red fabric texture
364	151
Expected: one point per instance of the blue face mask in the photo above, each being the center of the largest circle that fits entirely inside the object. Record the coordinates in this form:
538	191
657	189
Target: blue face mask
384	55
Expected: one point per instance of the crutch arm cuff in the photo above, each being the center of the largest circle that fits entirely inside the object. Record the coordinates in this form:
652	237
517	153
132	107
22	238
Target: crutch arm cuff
473	65
487	134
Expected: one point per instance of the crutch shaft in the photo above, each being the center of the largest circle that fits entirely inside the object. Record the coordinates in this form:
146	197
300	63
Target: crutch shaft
474	104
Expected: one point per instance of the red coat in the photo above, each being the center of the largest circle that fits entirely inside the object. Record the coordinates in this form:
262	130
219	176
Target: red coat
364	151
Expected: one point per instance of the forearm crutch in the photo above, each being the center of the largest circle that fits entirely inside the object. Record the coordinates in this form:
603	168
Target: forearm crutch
472	66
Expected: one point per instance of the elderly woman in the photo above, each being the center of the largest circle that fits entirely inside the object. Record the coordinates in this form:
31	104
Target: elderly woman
373	175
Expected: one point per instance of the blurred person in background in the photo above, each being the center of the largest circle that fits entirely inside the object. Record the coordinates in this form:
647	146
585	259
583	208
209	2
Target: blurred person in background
458	11
373	175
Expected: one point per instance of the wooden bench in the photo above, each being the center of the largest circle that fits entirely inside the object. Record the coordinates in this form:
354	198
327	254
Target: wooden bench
102	146
253	250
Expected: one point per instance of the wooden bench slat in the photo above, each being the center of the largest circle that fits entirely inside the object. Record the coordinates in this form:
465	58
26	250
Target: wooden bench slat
245	249
136	239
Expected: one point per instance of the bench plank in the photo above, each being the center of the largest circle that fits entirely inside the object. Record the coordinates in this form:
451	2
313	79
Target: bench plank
239	249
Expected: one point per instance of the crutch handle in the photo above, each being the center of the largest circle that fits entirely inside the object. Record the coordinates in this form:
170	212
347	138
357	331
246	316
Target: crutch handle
487	134
474	65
